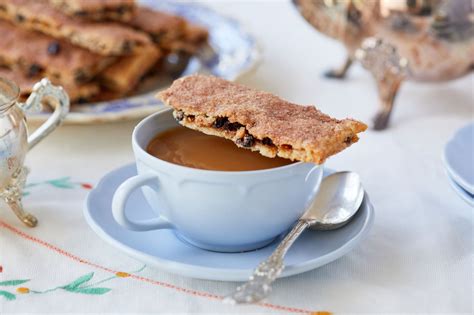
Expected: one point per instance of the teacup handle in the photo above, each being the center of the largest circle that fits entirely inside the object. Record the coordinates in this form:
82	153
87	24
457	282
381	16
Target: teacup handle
60	99
120	200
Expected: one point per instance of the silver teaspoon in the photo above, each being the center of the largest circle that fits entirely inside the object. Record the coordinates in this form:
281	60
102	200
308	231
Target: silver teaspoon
338	199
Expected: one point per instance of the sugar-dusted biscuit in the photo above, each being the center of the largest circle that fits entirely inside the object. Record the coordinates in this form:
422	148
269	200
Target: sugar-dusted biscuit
77	93
37	54
194	37
105	38
165	29
169	32
97	10
125	73
258	120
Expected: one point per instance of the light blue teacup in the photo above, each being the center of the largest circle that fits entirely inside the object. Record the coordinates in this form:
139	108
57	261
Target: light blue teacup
215	210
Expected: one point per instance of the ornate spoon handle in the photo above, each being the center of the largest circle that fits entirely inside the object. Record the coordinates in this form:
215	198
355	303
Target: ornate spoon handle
259	284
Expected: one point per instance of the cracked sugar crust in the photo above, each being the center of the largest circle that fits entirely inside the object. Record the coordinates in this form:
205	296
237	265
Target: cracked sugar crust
298	132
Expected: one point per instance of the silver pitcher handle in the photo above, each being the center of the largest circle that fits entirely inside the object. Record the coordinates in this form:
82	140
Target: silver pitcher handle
57	97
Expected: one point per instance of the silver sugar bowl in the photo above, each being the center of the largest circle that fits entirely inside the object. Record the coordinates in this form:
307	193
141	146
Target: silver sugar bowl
397	40
14	139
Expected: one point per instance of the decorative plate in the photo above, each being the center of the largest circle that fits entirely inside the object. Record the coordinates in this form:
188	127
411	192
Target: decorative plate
233	53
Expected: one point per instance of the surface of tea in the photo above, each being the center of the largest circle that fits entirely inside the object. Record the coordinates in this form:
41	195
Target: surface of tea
194	149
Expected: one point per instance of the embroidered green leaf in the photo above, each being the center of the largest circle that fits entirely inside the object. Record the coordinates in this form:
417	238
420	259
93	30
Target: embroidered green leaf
61	183
25	193
13	282
76	283
9	296
94	291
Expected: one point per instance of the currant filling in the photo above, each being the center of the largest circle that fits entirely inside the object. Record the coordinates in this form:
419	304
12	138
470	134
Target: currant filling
246	140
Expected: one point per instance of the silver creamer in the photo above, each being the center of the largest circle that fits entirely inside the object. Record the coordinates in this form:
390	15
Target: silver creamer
14	139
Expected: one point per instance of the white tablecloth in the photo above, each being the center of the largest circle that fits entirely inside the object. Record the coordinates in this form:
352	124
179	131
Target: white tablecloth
417	258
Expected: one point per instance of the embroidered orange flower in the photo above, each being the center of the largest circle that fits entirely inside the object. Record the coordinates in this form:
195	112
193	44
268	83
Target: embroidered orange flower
121	274
23	290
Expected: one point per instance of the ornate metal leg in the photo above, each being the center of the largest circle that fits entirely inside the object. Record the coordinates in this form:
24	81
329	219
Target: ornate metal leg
25	217
12	196
388	69
339	73
388	88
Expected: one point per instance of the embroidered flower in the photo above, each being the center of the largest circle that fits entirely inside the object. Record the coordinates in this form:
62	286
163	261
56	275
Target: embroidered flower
23	290
86	186
121	274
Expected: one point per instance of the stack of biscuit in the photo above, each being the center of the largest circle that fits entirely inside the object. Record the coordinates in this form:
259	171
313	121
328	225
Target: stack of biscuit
95	49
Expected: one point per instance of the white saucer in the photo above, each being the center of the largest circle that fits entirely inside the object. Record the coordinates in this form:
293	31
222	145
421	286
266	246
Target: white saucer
458	158
163	250
464	194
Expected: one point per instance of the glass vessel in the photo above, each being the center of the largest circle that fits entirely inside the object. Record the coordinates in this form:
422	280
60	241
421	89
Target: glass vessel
15	141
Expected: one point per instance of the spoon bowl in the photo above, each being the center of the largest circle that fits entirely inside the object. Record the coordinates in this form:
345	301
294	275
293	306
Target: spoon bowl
338	200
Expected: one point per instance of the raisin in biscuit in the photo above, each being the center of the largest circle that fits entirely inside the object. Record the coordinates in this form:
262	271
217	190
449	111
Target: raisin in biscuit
102	38
124	74
258	120
97	10
77	93
37	54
